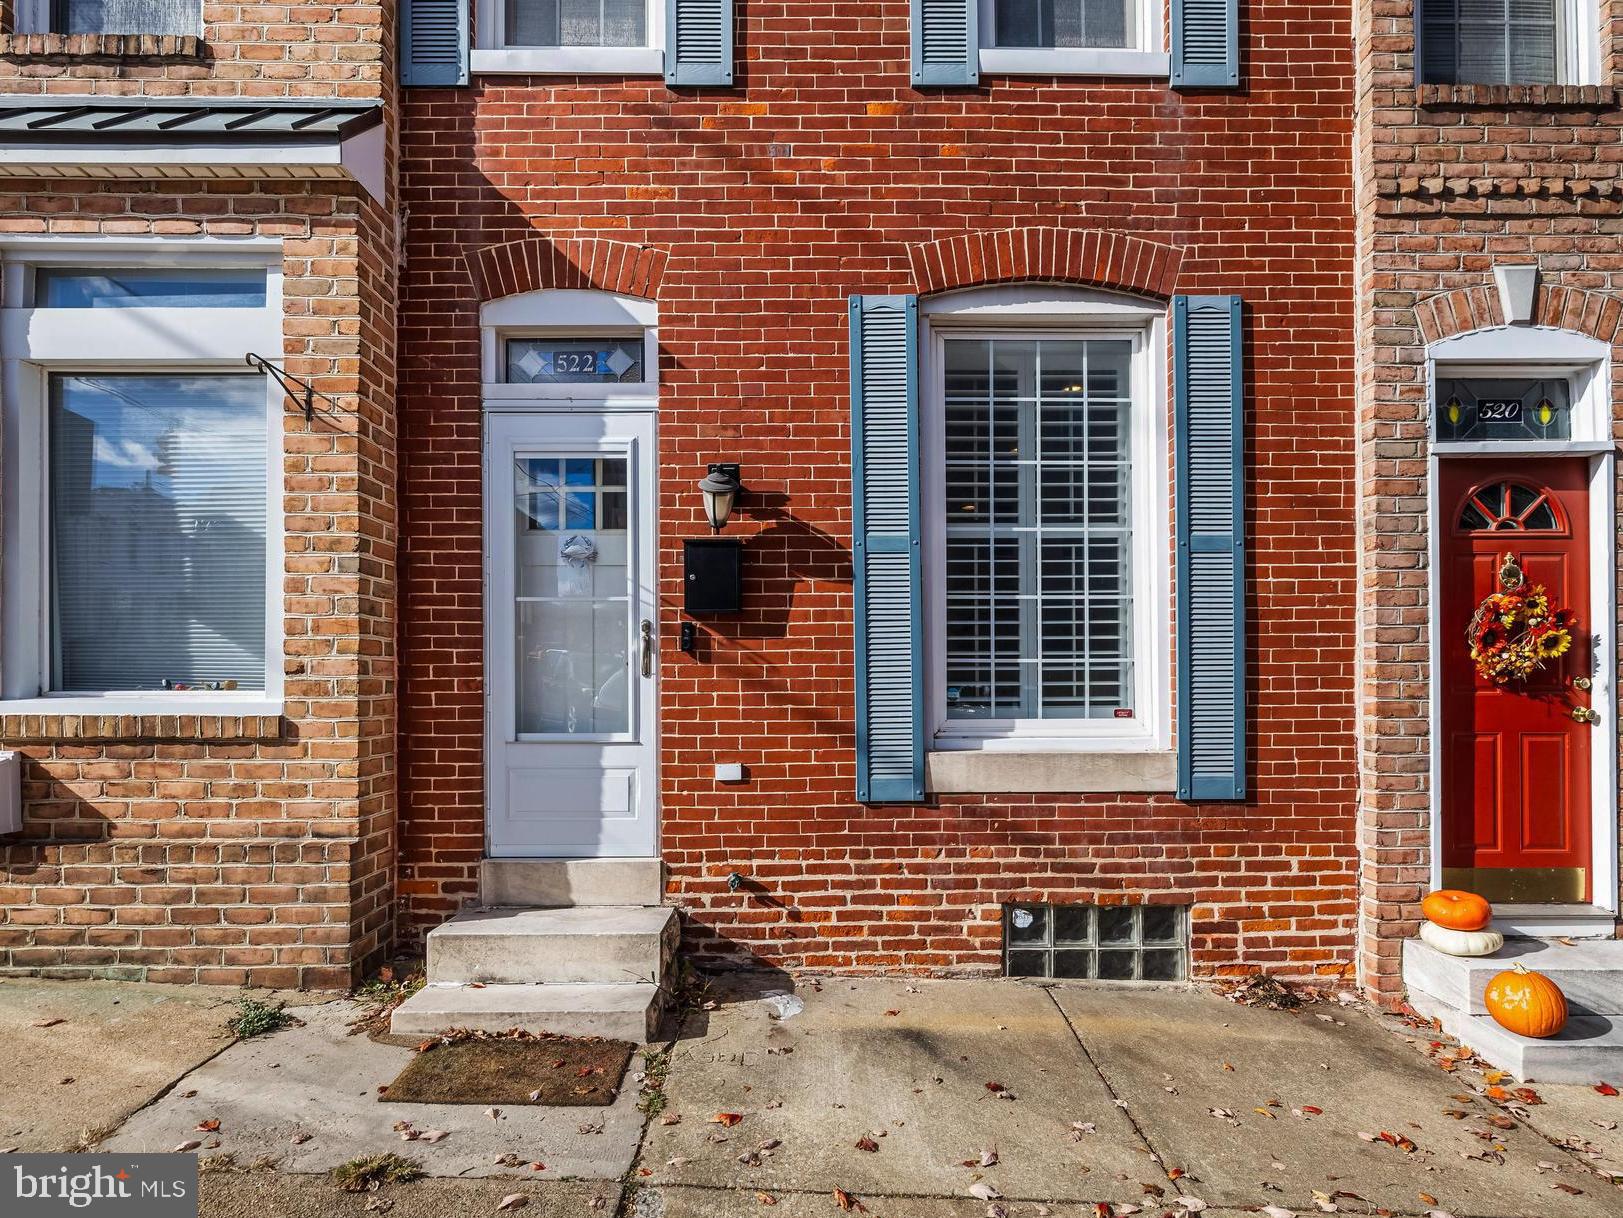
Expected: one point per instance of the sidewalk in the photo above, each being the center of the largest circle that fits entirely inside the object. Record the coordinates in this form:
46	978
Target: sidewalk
927	1099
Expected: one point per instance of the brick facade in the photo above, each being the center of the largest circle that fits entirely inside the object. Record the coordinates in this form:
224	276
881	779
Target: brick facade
764	206
256	849
1451	181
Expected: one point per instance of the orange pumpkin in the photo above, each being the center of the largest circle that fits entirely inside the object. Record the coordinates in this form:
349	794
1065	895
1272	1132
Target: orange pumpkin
1528	1004
1457	910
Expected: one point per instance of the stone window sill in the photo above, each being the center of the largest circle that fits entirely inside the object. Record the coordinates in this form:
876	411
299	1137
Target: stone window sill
100	46
998	772
1592	96
51	720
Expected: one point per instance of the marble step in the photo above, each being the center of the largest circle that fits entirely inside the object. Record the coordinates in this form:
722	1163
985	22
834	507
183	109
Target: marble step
1589	1049
557	883
587	945
1589	972
622	1012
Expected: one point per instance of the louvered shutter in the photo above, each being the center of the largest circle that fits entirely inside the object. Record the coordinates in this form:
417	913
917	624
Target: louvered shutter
1210	396
886	552
699	39
946	42
1205	43
434	42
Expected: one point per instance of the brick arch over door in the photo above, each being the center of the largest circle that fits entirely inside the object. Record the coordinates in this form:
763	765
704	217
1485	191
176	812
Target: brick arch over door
1449	314
535	263
1090	257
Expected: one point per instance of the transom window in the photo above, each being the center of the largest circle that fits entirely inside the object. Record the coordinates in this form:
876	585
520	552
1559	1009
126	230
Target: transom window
149	288
1039	529
1504	408
575	361
1505	42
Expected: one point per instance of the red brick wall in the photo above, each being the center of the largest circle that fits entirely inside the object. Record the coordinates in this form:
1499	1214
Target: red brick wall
820	176
1451	181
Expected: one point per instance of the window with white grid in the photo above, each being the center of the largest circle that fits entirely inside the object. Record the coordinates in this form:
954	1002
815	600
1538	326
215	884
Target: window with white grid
1039	528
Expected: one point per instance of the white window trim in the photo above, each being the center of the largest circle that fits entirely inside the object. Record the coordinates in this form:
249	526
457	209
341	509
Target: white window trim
567	312
1138	60
1544	351
34	17
35	343
1010	312
492	55
1578	57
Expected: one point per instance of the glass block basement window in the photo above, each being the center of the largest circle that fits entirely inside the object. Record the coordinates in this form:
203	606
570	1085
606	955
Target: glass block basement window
1096	942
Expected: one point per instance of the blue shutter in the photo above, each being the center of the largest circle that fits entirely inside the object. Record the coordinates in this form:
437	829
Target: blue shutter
1210	396
885	547
946	42
434	42
699	42
1205	43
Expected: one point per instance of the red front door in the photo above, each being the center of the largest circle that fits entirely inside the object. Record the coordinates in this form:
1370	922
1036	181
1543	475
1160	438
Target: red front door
1515	763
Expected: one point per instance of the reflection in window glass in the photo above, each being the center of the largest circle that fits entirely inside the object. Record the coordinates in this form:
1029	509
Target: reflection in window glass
157	494
572	550
1067	23
147	287
577	23
1490	42
126	16
1038	485
574	361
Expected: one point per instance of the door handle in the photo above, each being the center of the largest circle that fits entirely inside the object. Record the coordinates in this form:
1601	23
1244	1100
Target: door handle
1583	683
647	648
1582	714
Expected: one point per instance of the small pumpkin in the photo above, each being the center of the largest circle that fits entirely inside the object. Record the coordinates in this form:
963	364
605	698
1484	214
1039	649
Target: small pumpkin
1457	910
1526	1003
1461	942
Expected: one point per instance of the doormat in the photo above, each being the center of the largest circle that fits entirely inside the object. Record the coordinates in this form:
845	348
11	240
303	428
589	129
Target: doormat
512	1068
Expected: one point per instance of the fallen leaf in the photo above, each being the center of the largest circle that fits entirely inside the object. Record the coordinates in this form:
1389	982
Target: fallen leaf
513	1201
766	1199
867	1144
212	1125
433	1135
1312	1110
192	1144
1568	1189
984	1191
1527	1095
1495	1076
494	1114
48	1023
1606	1088
727	1119
300	1138
892	1012
994	1088
1276	1211
1428	1199
847	1202
988	1158
1193	1205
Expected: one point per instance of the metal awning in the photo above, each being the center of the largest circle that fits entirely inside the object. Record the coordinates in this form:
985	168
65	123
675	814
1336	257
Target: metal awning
160	137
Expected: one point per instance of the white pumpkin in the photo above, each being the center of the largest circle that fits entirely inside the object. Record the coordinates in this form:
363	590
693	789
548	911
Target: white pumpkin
1461	942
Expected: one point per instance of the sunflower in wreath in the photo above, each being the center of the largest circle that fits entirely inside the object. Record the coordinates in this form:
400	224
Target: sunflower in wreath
1517	630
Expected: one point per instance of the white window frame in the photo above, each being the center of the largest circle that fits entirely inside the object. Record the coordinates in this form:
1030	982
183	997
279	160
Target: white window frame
36	343
34	17
1577	43
1048	312
1149	58
567	313
491	54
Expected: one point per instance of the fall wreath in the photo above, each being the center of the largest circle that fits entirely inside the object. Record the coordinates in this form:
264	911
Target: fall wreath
1517	630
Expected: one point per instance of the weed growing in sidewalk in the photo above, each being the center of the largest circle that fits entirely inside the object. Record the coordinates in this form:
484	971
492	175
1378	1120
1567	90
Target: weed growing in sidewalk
255	1018
371	1173
656	1064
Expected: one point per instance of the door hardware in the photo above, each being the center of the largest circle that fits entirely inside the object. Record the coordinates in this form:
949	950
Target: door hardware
647	648
1582	714
1583	683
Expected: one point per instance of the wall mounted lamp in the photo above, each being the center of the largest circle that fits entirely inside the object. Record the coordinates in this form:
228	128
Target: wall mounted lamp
720	488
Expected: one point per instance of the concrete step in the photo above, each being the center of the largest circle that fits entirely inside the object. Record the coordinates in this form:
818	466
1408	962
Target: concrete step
1590	972
1589	1049
591	945
557	883
623	1012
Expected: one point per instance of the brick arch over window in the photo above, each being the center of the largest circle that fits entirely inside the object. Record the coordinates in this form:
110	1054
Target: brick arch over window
535	263
1091	257
1463	310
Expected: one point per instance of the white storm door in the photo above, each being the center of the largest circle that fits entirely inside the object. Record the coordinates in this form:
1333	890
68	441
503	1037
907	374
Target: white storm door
571	748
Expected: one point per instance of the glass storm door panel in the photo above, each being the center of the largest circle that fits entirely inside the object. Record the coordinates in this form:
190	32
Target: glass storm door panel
1516	758
570	646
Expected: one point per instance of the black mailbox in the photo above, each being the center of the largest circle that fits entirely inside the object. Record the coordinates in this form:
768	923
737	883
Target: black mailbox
712	575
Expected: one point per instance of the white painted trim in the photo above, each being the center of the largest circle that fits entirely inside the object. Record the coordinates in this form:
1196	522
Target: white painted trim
569	309
1074	61
143	703
1013	311
1591	421
359	157
35	343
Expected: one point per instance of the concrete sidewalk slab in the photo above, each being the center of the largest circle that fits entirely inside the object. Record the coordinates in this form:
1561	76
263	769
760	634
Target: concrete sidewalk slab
684	1202
269	1194
1164	1052
907	1065
320	1084
120	1043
